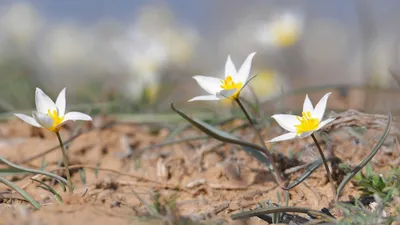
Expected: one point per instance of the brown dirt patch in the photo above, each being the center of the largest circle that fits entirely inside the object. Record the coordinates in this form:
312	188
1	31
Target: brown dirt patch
206	180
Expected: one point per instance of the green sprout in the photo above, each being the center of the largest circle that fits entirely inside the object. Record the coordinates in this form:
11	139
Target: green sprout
370	183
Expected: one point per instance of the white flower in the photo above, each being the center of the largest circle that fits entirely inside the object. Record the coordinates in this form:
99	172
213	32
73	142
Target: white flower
51	115
282	31
20	21
228	87
307	124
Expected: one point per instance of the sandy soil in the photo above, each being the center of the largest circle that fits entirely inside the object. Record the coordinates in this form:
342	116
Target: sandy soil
203	179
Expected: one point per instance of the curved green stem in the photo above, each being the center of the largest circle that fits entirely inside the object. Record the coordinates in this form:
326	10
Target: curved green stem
274	168
326	165
65	161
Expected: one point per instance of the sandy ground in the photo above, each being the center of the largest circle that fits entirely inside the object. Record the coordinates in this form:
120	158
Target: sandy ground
201	179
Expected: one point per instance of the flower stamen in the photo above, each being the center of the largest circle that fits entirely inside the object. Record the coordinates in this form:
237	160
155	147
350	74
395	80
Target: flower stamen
57	120
307	123
229	84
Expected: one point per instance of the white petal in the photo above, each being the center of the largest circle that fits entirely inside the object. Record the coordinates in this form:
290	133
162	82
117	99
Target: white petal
226	93
283	137
244	70
61	103
293	19
307	105
43	119
325	122
43	102
320	107
27	119
205	98
230	69
76	116
287	122
210	84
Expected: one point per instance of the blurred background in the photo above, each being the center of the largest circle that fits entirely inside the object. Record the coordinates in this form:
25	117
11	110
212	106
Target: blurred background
142	54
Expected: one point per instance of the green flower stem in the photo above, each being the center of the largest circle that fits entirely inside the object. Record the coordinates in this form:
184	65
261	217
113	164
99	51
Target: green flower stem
65	161
326	165
278	175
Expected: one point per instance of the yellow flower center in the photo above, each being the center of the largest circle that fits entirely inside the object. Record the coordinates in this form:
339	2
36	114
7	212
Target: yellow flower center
268	83
285	34
229	84
307	123
57	120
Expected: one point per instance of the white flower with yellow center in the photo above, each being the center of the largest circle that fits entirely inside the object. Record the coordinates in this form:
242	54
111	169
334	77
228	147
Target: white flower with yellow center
51	115
306	125
283	31
225	88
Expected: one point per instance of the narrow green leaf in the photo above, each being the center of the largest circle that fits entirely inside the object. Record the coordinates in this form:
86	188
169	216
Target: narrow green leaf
388	195
275	217
82	175
48	188
376	181
4	172
255	150
368	170
287	198
262	211
309	170
43	163
367	159
279	198
359	177
150	208
20	191
15	166
96	171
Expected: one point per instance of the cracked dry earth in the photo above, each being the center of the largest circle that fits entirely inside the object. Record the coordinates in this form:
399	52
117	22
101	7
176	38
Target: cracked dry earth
206	179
